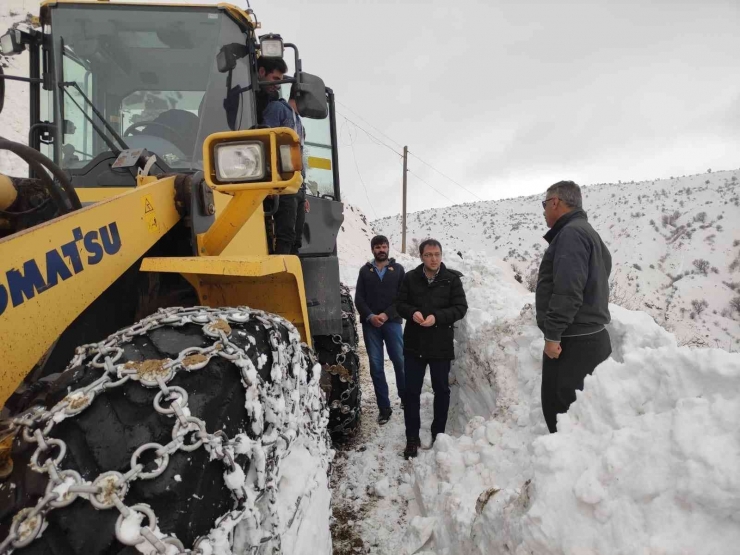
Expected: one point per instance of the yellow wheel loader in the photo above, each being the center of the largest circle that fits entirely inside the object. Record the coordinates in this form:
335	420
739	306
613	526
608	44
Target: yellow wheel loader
157	361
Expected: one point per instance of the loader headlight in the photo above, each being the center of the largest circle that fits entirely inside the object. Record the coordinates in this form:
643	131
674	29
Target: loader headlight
240	161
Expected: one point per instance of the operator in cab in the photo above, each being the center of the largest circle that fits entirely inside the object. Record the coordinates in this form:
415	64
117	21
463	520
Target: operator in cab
277	112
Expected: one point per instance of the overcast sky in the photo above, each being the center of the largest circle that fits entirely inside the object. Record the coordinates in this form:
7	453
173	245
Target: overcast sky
508	97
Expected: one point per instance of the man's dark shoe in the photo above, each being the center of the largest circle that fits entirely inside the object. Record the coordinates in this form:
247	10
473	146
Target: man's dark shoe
434	437
412	448
384	416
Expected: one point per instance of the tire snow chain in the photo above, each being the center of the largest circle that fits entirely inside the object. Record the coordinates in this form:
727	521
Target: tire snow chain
304	414
338	369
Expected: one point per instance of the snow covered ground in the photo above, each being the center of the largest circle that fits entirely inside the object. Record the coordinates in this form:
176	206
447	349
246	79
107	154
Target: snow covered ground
644	462
373	499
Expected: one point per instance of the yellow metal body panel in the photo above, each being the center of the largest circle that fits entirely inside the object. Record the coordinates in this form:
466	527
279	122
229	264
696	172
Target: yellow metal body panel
53	271
96	194
269	283
234	11
319	163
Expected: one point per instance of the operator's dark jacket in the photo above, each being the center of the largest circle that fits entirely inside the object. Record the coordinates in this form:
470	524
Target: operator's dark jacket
373	296
573	284
445	298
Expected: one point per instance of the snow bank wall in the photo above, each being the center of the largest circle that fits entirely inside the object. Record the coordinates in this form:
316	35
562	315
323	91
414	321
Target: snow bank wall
645	461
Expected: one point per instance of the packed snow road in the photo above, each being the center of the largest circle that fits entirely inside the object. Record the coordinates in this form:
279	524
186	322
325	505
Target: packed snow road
373	499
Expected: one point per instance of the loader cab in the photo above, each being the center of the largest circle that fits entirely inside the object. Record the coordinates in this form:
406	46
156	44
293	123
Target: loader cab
160	78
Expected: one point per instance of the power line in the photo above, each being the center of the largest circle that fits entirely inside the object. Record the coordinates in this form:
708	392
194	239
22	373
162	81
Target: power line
445	176
412	154
434	188
357	167
382	143
370	124
371	136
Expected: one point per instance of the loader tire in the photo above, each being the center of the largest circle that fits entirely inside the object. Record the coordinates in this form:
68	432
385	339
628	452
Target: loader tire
191	494
340	377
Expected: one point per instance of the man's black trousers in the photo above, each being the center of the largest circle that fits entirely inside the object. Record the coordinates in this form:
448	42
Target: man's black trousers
415	368
289	220
562	376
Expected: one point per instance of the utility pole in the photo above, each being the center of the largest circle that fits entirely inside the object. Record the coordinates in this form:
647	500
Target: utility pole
405	169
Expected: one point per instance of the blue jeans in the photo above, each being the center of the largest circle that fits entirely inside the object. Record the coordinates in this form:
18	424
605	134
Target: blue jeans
392	334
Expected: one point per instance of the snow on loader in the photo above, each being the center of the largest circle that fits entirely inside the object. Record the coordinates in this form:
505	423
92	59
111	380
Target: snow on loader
159	367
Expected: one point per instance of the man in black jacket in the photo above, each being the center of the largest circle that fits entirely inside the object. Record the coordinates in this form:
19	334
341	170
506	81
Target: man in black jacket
431	299
377	287
572	300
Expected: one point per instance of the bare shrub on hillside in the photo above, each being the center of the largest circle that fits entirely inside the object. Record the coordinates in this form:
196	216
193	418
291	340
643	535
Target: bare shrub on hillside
702	265
671	219
734	285
699	306
696	341
735	264
620	295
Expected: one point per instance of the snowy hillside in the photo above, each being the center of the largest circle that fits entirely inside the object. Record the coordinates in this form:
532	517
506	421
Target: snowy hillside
675	245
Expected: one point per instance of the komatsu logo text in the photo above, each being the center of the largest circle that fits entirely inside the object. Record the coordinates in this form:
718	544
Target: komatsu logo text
62	263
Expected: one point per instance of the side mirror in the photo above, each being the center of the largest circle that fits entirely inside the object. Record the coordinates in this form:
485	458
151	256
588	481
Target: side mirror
12	42
311	98
228	55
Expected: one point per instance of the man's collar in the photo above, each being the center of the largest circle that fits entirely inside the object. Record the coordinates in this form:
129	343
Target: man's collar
575	214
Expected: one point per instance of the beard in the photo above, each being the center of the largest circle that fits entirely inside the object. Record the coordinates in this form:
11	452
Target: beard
381	257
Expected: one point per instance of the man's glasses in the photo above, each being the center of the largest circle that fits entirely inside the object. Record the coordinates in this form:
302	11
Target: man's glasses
432	255
544	202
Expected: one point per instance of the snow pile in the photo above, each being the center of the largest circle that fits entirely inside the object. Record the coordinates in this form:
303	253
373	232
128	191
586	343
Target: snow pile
645	461
493	366
306	516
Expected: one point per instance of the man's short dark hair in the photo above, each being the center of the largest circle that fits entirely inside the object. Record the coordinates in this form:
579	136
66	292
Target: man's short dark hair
272	64
429	243
379	240
568	192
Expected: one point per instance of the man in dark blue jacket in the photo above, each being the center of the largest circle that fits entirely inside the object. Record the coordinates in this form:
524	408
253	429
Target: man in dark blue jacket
572	300
377	287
